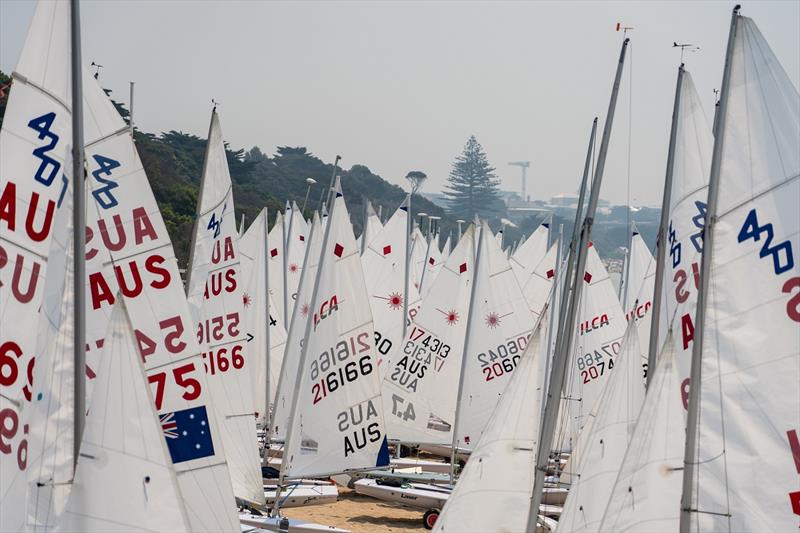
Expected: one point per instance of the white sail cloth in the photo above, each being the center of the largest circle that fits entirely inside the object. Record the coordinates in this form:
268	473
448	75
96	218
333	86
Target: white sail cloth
337	422
602	446
34	175
129	254
647	492
637	290
601	325
384	274
496	339
530	253
420	387
124	479
215	295
297	329
748	411
254	249
692	162
494	491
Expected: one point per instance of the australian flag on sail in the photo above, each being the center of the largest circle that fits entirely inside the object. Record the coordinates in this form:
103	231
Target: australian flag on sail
188	434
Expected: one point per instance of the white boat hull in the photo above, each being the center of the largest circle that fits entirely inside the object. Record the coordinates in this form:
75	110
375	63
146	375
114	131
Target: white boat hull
251	523
306	493
416	495
443	450
423	465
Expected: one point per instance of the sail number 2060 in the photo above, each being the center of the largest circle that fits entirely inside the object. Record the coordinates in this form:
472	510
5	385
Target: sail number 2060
496	362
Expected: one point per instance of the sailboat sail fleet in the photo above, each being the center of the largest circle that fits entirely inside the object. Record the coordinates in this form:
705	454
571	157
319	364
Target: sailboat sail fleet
573	410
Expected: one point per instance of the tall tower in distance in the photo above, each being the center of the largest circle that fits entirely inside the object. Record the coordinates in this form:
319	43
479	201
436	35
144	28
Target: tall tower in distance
524	166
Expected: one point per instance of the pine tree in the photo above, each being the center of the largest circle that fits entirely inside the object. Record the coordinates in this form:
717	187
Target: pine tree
472	187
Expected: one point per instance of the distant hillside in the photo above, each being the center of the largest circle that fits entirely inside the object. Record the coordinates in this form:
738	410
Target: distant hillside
173	162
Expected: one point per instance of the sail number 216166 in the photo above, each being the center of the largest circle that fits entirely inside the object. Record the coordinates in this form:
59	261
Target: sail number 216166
332	370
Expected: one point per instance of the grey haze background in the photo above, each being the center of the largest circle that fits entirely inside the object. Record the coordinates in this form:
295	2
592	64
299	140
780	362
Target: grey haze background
401	85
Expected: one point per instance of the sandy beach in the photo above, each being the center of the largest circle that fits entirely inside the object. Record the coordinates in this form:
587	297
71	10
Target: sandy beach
360	514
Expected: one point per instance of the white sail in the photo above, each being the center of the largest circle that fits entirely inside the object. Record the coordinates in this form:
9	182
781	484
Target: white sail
646	495
253	250
431	267
601	325
530	252
337	414
420	387
493	493
372	227
692	162
747	459
129	253
637	290
296	235
214	292
446	249
34	168
124	479
50	415
602	449
419	250
496	339
297	329
277	269
536	288
384	274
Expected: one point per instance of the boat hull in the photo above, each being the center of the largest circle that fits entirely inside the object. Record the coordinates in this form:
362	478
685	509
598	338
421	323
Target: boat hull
253	523
416	495
303	494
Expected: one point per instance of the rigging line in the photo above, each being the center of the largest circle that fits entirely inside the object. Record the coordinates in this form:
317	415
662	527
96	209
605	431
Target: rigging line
630	138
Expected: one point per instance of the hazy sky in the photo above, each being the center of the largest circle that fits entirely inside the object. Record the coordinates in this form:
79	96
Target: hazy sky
400	86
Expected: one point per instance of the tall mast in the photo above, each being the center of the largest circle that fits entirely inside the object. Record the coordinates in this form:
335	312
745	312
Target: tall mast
199	203
689	460
267	416
470	325
573	243
298	381
409	225
557	278
130	111
303	280
564	342
364	225
550	307
661	238
427	258
79	229
333	179
287	235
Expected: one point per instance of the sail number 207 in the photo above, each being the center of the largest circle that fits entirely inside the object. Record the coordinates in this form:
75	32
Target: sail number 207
593	365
